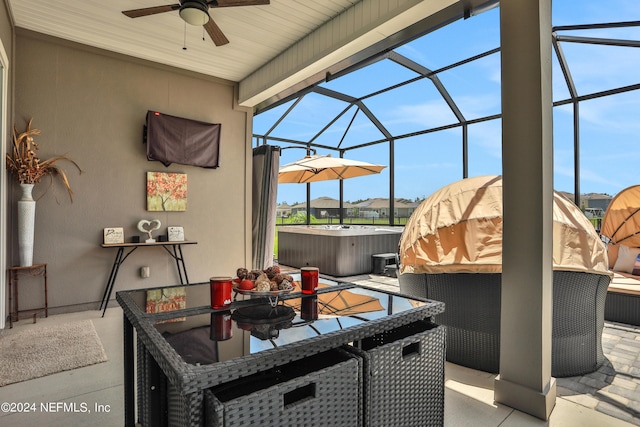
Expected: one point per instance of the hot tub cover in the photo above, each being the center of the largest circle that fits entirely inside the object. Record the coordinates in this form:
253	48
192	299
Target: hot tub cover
621	222
458	229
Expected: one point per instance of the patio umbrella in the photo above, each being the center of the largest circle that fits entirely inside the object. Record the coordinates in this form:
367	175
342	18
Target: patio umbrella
323	168
341	303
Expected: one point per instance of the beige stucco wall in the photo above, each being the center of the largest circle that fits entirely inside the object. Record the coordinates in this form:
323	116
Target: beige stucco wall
92	105
5	28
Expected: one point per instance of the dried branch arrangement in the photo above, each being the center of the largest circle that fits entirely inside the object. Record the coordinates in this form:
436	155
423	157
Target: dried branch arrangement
26	166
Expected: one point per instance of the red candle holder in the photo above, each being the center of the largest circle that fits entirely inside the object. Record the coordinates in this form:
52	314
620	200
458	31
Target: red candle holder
220	291
309	280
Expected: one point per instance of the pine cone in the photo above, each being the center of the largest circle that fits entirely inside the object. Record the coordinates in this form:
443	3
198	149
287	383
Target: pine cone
254	274
285	285
271	272
242	273
263	283
264	286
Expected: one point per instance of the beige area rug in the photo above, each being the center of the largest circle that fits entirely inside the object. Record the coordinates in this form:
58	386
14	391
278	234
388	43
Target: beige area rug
37	352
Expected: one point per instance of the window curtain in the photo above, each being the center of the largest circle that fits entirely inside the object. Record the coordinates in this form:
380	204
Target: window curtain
266	162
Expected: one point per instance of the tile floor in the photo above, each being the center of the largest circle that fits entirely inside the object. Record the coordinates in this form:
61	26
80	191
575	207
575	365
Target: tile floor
100	384
607	398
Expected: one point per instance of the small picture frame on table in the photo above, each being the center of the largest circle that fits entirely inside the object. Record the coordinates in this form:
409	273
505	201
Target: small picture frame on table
113	235
175	234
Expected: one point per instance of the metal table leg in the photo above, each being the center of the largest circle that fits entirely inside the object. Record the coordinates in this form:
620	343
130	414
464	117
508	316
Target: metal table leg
129	363
120	257
176	254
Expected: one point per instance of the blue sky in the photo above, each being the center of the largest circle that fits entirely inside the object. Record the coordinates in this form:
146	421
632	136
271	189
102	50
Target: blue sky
609	127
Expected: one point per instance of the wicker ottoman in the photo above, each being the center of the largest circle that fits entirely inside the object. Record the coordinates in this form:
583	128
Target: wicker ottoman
322	390
623	308
403	378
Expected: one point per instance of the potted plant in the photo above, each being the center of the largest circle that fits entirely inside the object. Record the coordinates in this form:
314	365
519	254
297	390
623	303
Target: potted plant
23	162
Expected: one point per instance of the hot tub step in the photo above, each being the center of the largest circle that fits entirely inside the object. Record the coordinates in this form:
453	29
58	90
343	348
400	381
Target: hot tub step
381	261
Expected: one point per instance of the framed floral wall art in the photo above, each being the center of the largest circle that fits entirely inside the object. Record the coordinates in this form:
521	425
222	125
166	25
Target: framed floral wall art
166	191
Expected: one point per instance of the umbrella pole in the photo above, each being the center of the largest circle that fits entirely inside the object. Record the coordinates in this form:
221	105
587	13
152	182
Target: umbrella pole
308	203
341	206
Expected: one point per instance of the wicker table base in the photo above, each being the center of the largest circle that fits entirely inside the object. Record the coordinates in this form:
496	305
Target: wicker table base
171	391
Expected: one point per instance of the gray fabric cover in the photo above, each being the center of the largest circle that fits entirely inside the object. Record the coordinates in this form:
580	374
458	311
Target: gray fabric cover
187	142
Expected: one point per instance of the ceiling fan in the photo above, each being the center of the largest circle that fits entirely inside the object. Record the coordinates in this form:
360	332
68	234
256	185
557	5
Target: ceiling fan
195	12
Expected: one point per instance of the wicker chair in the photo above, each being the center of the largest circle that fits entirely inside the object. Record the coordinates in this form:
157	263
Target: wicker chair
472	318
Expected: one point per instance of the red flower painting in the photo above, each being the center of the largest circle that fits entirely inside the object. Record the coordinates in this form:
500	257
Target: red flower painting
166	191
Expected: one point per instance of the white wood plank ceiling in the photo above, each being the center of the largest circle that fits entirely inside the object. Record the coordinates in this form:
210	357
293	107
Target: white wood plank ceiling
272	48
257	34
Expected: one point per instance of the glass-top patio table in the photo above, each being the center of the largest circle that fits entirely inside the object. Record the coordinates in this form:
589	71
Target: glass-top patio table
187	347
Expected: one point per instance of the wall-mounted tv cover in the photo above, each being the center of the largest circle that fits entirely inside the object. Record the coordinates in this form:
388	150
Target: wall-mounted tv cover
187	142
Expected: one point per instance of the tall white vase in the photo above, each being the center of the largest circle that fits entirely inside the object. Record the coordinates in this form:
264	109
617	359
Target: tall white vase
26	225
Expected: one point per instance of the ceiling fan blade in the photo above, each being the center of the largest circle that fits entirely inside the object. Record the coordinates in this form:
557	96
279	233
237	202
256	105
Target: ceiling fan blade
232	3
215	33
136	13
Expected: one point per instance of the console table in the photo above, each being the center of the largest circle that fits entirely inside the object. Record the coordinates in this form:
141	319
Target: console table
190	362
174	249
34	270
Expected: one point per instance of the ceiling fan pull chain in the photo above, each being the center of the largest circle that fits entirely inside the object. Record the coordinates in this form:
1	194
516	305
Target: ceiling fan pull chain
184	42
203	37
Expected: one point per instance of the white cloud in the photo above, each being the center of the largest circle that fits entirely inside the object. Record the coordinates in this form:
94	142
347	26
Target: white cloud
406	167
426	115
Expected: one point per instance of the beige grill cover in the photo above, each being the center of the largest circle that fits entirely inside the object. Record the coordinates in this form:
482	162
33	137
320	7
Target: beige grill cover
459	229
621	222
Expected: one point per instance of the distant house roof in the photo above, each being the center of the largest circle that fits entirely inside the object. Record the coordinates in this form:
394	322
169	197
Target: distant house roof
283	208
324	202
380	203
588	196
597	196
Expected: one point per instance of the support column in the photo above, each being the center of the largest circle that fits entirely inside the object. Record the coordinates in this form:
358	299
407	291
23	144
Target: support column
525	381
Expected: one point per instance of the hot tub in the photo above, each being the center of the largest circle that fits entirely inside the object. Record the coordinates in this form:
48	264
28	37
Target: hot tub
337	250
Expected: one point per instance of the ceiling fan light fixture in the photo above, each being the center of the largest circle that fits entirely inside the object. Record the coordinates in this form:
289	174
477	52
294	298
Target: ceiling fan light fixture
194	12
